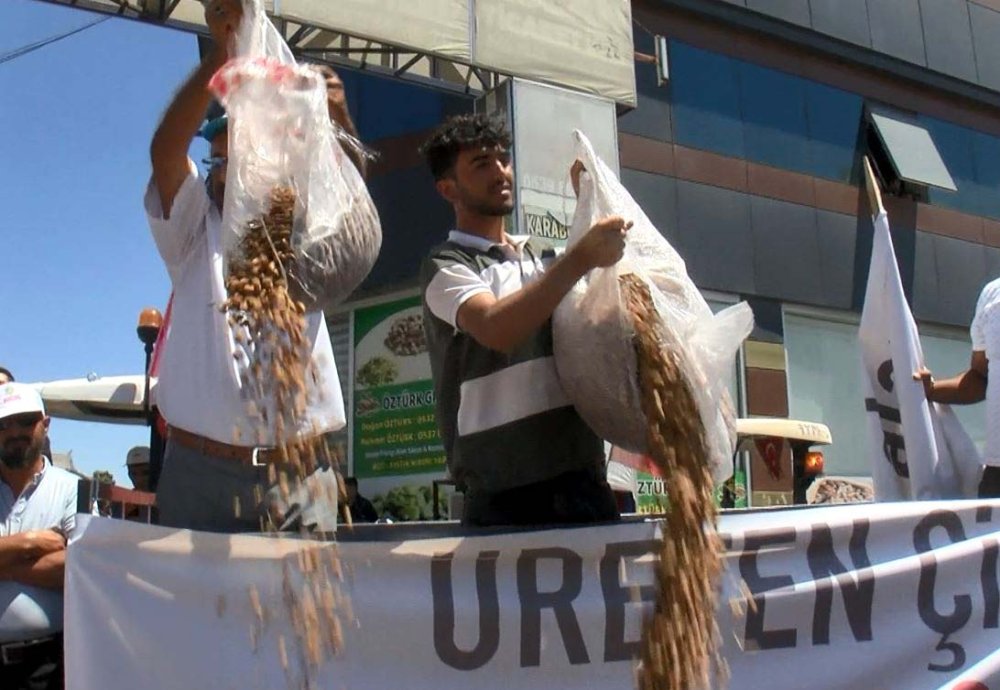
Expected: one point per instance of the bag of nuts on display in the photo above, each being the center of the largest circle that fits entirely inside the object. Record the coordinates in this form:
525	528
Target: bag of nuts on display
281	137
651	378
601	379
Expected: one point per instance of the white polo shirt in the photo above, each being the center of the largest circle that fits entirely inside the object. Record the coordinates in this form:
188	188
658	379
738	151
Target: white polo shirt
985	333
199	388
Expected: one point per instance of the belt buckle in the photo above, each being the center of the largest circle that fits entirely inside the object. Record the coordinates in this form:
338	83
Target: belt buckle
255	458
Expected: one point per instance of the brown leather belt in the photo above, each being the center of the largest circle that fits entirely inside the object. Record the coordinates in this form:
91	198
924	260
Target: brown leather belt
248	455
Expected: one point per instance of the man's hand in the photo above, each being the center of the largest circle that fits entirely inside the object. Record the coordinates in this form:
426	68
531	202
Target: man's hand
925	377
223	18
41	542
603	245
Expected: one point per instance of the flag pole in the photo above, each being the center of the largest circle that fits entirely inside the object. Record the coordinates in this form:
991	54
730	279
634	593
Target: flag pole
871	186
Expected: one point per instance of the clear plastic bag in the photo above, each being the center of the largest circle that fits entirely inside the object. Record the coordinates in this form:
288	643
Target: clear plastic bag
601	379
281	135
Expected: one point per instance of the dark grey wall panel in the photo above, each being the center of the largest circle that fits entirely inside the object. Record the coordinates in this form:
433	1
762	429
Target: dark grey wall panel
657	196
794	11
992	258
949	276
986	41
651	116
838	235
896	29
714	237
933	34
414	219
948	38
926	300
843	19
786	251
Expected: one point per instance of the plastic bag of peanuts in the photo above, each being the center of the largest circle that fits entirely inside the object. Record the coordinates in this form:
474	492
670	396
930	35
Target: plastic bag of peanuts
603	378
283	145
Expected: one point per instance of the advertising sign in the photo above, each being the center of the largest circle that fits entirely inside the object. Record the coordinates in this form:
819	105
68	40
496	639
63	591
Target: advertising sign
393	411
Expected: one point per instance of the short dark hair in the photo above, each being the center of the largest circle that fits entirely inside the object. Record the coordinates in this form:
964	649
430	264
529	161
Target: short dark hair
351	481
462	132
6	372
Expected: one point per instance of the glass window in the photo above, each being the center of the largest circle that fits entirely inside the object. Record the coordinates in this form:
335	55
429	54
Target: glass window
955	146
706	100
740	109
764	115
986	151
824	385
834	129
774	117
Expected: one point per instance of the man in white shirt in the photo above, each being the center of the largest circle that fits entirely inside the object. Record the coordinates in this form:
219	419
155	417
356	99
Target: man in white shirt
217	473
973	385
37	515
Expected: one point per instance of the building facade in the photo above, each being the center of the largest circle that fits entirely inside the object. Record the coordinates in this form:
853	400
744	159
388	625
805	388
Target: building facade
748	158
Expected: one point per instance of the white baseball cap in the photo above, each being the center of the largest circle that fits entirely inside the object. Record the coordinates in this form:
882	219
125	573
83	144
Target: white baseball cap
19	398
139	455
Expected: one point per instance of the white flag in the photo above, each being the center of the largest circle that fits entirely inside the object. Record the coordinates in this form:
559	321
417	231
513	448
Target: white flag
917	450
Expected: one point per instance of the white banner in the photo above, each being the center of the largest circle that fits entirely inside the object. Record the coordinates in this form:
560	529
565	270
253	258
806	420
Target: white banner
917	450
894	595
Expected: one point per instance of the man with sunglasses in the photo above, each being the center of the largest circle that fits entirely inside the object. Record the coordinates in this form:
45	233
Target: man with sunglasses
37	514
217	473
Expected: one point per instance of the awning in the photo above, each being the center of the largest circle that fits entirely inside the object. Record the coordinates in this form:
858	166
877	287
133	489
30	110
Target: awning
584	44
111	399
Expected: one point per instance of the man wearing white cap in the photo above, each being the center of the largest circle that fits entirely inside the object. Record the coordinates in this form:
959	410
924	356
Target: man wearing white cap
137	465
37	514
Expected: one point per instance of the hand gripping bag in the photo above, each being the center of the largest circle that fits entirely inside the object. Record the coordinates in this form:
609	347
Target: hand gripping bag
281	137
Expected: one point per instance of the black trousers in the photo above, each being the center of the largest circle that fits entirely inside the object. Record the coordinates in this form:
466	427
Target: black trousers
572	497
34	668
989	485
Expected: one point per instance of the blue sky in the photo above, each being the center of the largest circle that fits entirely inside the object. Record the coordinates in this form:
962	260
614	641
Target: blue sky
78	263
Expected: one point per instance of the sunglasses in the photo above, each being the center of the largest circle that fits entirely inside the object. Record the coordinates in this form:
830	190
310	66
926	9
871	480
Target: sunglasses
20	422
215	162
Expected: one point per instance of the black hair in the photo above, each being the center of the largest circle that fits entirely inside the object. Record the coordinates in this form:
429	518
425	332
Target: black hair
462	132
351	481
5	371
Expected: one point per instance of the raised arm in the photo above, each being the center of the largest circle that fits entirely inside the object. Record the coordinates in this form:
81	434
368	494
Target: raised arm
169	149
503	324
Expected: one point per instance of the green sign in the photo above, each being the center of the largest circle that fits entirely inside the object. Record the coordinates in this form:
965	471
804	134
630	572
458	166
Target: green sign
394	428
652	492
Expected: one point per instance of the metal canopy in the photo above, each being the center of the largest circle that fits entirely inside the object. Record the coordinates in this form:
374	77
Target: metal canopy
455	45
910	149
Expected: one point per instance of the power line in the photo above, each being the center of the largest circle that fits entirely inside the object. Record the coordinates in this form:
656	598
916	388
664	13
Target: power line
32	47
